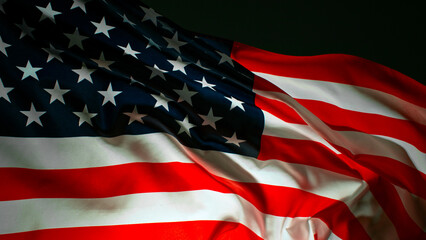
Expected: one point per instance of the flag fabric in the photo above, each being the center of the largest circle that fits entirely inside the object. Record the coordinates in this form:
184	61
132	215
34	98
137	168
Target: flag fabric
118	124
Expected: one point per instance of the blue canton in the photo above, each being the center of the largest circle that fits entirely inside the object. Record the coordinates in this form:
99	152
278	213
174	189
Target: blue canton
110	68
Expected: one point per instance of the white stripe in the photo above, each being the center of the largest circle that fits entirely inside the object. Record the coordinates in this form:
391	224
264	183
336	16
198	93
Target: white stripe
355	142
418	158
349	97
85	152
152	208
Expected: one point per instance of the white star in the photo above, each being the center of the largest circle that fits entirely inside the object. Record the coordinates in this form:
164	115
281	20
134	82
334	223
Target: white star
101	62
33	115
79	4
48	12
156	71
4	91
178	65
185	94
204	84
75	39
84	73
174	42
109	95
235	103
29	71
210	119
3	46
150	15
53	53
56	93
85	116
185	126
135	116
225	58
26	30
161	101
102	27
234	140
129	51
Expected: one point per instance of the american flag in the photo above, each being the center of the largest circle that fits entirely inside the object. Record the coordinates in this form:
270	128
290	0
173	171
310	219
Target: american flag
118	124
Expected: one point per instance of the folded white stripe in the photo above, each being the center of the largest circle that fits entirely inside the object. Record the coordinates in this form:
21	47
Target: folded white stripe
278	128
355	142
160	207
414	205
349	97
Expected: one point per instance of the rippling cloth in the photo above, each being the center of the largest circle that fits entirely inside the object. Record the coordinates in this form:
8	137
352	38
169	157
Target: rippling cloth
118	124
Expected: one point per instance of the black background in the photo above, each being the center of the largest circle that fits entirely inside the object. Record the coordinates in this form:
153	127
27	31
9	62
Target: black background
392	33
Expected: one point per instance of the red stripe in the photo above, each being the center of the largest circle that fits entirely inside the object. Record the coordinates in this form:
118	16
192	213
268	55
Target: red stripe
304	152
407	131
174	230
131	178
279	109
338	68
347	120
109	181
